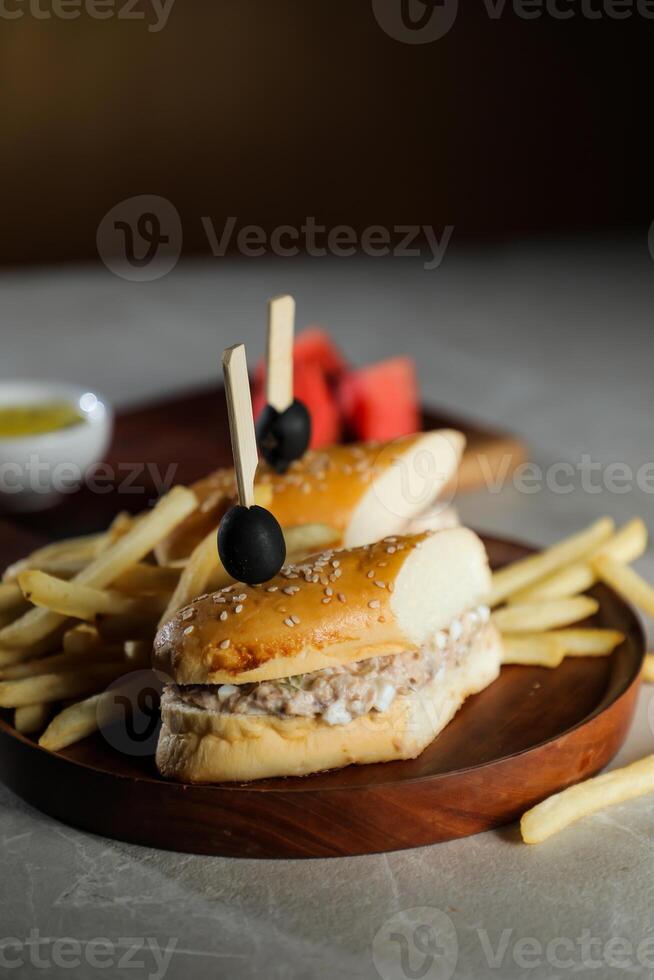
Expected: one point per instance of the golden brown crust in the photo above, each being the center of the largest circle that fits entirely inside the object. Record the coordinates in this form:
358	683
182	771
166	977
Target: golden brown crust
197	746
251	633
323	487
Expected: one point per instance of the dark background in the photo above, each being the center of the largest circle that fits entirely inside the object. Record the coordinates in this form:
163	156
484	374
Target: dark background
271	110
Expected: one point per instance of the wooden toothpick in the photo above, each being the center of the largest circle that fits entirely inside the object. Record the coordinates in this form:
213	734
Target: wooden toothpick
279	369
241	423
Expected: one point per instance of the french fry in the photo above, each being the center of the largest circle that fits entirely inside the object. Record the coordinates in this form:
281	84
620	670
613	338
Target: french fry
82	638
549	649
11	598
72	553
647	674
37	624
73	600
588	642
525	572
60	663
626	582
142	579
32	718
532	649
535	617
568	581
625	545
307	539
72	724
203	567
78	720
55	687
563	809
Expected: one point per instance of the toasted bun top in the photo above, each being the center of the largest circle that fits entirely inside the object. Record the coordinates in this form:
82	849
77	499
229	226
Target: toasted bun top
335	608
364	490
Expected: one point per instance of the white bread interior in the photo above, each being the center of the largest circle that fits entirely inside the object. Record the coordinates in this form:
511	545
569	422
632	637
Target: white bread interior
406	488
199	746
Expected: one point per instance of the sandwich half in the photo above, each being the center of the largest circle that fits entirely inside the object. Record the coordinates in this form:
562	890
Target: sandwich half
366	491
354	656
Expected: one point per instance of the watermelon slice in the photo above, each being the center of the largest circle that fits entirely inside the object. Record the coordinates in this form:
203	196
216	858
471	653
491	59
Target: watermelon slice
311	387
315	346
381	402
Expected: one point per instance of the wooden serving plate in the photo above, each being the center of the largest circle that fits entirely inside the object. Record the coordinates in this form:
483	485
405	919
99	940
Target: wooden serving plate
533	732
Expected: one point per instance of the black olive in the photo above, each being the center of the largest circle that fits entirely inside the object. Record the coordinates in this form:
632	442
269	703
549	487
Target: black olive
284	436
251	544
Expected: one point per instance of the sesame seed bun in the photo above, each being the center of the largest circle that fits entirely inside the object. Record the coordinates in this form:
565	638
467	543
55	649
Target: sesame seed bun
365	491
197	746
334	609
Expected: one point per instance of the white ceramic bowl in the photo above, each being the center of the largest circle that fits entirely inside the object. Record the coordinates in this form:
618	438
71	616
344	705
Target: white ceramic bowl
36	470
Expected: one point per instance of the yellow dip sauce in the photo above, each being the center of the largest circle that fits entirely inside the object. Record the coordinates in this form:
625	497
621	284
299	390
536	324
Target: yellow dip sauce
18	421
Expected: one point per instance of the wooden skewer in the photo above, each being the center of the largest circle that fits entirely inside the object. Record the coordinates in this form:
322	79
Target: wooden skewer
279	369
241	423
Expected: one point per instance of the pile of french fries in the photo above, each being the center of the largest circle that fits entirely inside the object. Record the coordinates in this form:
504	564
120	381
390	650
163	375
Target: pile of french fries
77	615
538	599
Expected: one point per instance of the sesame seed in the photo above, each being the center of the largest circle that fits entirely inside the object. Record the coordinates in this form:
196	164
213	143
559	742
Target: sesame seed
239	608
341	597
189	629
223	615
188	613
391	550
380	585
371	574
219	598
329	590
374	603
326	600
272	588
296	619
242	597
224	644
335	563
337	573
289	622
391	587
314	579
289	590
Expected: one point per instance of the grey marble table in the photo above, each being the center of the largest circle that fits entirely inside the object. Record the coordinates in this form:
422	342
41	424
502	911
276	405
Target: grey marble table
554	341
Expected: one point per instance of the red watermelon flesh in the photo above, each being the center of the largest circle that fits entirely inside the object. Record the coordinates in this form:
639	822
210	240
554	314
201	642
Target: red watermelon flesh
311	387
315	346
381	402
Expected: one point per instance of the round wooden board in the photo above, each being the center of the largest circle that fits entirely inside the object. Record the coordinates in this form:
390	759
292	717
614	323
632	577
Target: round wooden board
533	732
